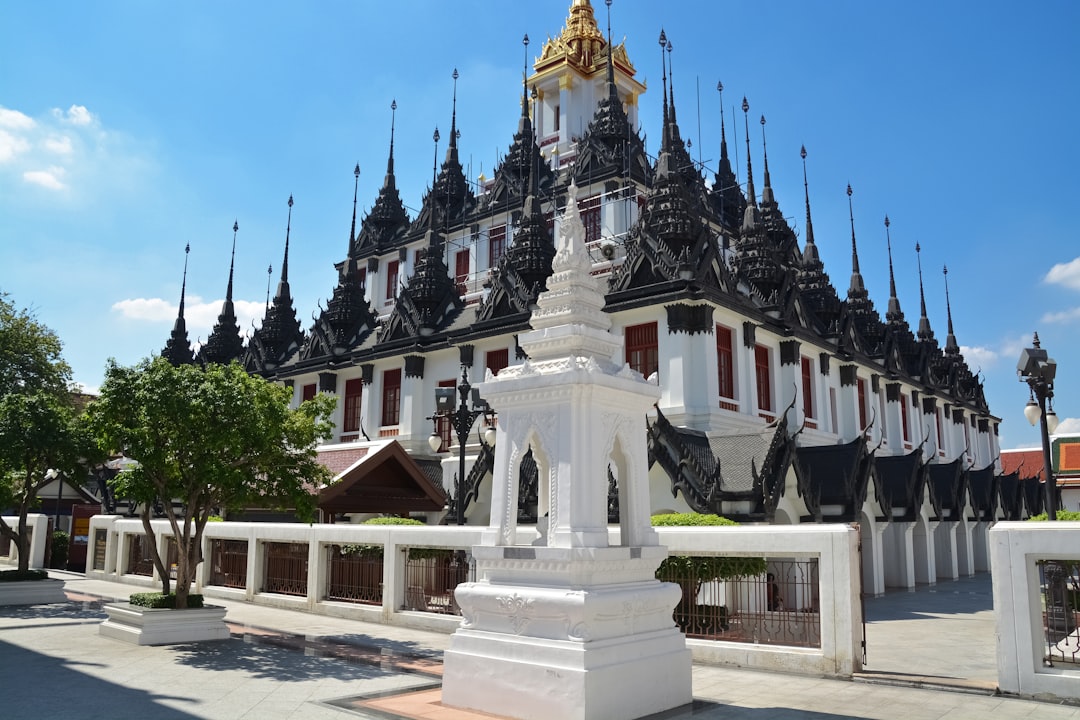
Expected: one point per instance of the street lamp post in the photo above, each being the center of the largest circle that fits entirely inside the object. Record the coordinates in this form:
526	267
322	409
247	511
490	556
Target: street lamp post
1037	369
462	419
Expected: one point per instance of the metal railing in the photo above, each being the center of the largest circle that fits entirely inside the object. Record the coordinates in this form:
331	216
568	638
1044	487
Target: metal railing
432	575
286	568
1060	584
779	607
228	563
354	574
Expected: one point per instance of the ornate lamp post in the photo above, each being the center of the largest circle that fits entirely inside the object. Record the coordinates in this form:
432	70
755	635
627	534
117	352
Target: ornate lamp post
1037	369
462	419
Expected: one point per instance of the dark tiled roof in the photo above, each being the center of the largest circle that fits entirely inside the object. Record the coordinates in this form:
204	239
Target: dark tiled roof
903	484
946	485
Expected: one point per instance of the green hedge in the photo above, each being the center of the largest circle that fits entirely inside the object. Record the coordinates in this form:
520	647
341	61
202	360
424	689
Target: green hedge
1067	515
704	567
159	601
20	575
376	551
59	551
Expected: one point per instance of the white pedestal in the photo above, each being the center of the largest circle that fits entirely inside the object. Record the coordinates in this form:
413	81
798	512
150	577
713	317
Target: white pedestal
32	592
146	626
569	633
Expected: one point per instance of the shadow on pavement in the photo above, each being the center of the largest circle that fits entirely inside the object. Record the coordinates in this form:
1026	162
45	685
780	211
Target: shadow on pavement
964	596
42	686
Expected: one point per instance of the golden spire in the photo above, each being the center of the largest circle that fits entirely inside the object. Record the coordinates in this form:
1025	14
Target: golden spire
580	42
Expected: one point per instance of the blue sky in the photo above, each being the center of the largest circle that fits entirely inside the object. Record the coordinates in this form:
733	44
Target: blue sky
128	129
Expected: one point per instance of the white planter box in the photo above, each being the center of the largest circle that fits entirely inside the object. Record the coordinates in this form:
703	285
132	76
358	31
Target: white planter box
146	626
32	592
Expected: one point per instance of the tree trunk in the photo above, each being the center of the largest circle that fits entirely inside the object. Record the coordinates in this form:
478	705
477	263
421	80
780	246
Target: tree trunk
21	541
163	572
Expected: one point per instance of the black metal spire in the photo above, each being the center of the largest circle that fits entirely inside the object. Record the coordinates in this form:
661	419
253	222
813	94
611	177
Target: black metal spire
810	253
178	347
671	86
925	333
225	344
663	65
951	346
285	262
390	160
857	288
356	186
751	196
452	149
893	314
724	161
269	274
767	197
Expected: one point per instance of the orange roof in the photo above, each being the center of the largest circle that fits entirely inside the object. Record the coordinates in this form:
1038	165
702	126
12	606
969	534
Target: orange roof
1028	462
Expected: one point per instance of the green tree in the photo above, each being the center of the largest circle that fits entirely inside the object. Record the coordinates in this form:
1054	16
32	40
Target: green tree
38	428
38	432
214	440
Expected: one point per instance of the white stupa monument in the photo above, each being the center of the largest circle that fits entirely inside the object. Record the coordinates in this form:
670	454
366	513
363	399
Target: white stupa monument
569	627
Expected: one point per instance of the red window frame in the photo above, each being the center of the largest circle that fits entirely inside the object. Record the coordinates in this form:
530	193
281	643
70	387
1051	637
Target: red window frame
496	360
308	392
763	377
904	417
461	270
643	348
861	385
807	387
444	424
590	217
361	279
391	279
391	397
725	366
496	244
354	392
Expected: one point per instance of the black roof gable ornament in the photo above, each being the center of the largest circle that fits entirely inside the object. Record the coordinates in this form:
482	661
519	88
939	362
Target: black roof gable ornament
280	335
225	344
817	290
178	348
385	225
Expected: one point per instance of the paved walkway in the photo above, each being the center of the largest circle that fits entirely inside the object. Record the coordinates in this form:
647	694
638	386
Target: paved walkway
285	664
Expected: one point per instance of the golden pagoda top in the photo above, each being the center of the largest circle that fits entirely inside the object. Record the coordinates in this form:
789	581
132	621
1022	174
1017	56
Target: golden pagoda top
581	44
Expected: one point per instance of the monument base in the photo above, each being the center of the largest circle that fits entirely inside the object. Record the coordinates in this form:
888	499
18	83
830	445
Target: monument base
578	649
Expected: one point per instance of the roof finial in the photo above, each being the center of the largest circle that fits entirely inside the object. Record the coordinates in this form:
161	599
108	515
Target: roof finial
269	273
951	346
806	189
752	198
663	72
671	86
434	175
285	262
856	274
924	322
451	149
723	133
356	186
767	197
1036	342
393	121
183	284
610	54
232	262
893	312
525	79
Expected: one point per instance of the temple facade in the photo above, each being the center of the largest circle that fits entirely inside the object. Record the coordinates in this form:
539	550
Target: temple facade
783	398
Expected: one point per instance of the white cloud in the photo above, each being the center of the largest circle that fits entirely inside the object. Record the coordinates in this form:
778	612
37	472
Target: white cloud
979	357
49	179
75	115
59	144
200	316
151	309
1068	426
11	145
1067	274
1065	316
15	120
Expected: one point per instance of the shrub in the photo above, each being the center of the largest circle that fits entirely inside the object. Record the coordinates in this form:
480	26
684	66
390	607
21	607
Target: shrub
1067	515
20	575
376	551
59	550
702	567
392	521
160	601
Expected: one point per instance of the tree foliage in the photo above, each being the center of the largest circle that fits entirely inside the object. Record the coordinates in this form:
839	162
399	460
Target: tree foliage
696	569
212	440
39	429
